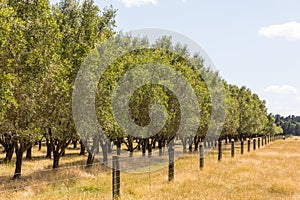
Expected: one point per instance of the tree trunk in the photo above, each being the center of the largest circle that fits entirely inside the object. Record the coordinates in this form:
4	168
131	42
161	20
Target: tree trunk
56	158
119	147
144	147
74	144
212	143
90	160
9	153
82	148
130	147
109	150
196	142
97	148
19	159
153	143
160	146
105	156
149	149
63	153
183	145
49	149
139	145
29	153
40	145
191	147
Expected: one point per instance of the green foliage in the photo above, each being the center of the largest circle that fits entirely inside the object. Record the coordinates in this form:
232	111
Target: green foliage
289	124
41	51
145	97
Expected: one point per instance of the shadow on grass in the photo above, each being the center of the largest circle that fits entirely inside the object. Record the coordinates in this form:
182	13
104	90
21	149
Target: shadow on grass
47	177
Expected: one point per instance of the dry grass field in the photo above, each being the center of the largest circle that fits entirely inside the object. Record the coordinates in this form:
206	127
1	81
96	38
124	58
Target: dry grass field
271	172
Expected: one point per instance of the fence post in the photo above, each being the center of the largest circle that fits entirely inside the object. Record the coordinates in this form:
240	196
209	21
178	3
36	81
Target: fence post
232	148
249	145
258	142
201	156
116	177
220	150
254	144
171	161
265	140
242	147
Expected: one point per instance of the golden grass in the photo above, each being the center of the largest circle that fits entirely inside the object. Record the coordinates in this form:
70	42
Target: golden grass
271	172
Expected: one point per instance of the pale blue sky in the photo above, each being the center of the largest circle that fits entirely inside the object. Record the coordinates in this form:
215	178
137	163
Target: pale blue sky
267	62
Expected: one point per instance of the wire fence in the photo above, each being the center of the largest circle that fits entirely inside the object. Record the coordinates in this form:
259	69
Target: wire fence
78	179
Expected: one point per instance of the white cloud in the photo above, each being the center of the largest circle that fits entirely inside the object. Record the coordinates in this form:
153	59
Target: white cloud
284	89
138	3
290	30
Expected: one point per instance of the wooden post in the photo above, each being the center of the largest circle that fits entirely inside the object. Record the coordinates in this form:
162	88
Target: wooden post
201	156
220	150
249	145
232	148
171	161
262	141
258	142
242	147
265	140
254	144
116	177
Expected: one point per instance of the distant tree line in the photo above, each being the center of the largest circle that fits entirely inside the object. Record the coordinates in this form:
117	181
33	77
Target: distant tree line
289	124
